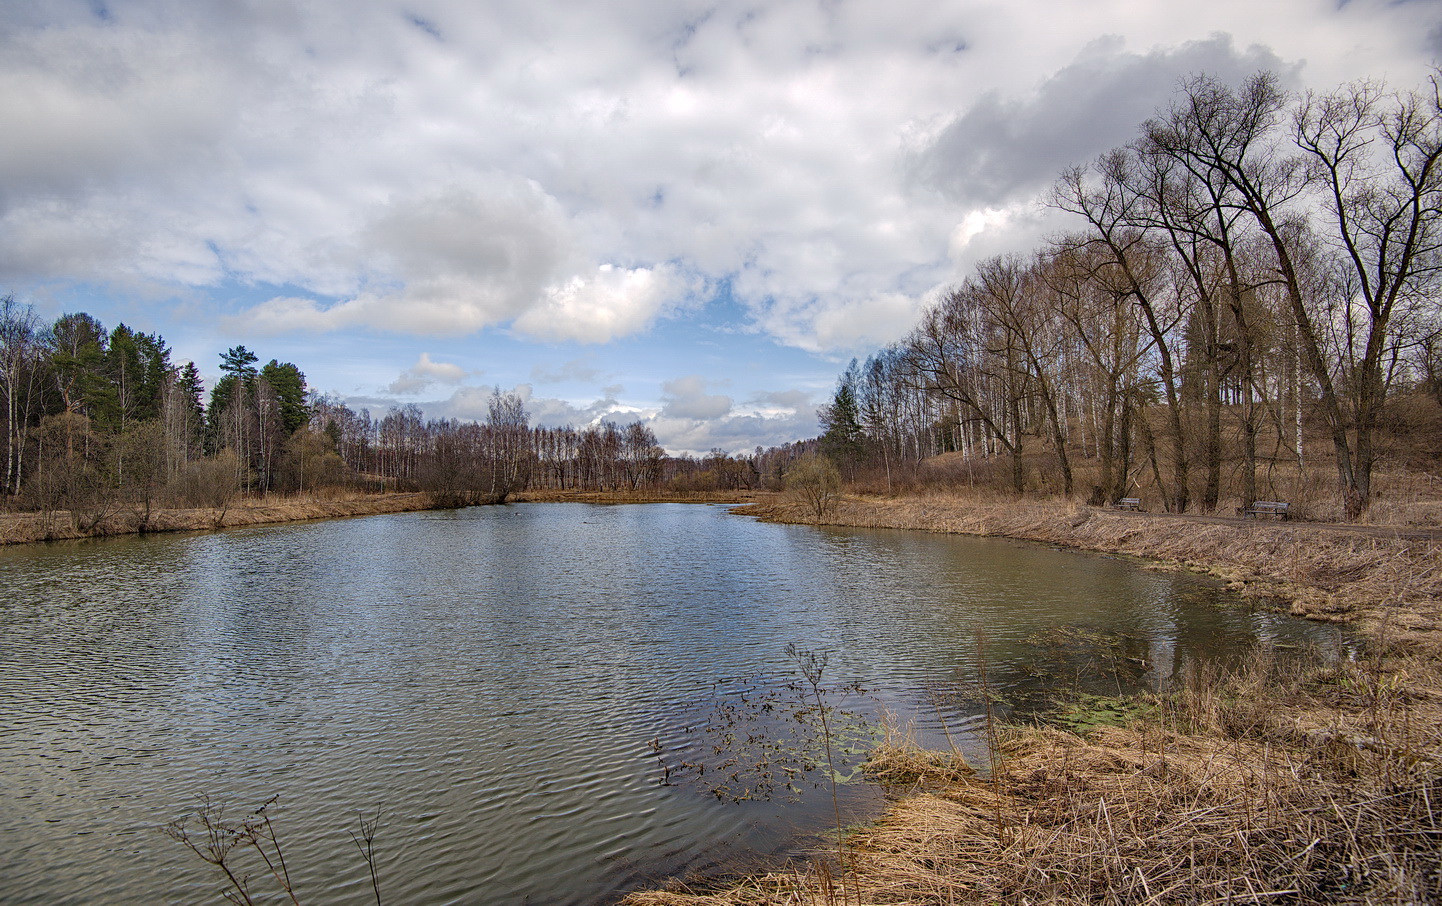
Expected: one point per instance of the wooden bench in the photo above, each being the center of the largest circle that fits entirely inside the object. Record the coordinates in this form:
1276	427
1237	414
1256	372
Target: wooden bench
1265	508
1128	503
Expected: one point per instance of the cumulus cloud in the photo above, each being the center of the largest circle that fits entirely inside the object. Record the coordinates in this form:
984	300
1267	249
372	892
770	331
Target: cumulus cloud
450	261
739	432
771	403
820	325
686	397
1009	147
559	173
609	303
425	373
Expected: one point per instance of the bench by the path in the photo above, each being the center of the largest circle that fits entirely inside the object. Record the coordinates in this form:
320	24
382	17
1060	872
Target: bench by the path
1278	508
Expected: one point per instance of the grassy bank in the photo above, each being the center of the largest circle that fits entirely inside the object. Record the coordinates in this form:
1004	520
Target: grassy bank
1386	581
1276	783
26	528
29	528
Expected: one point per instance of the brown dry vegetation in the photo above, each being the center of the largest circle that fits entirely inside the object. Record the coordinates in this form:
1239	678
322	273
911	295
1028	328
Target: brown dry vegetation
1277	783
1372	575
25	528
31	527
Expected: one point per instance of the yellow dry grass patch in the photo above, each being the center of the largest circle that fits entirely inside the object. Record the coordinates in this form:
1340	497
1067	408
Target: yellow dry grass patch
25	528
1136	815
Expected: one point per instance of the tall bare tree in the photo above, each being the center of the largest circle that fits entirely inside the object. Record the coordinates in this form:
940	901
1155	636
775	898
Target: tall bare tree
20	386
1377	159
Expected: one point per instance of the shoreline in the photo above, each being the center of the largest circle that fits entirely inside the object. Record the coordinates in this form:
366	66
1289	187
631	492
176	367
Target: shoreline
1276	781
1310	786
1380	579
41	528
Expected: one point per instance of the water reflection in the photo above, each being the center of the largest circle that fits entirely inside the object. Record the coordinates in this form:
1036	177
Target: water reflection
497	682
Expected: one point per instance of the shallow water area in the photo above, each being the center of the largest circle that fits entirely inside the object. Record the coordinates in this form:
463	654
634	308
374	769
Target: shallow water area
516	690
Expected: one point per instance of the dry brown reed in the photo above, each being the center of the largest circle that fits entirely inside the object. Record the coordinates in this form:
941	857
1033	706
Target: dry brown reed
1226	797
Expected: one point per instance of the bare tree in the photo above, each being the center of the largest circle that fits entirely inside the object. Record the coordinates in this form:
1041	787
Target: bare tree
1119	260
1377	158
959	354
510	451
19	384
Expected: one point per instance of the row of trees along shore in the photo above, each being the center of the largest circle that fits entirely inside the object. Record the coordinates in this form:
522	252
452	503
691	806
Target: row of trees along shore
96	421
1255	269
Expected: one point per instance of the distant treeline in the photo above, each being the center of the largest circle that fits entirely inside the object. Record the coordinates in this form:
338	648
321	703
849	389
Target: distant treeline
96	420
1254	270
505	454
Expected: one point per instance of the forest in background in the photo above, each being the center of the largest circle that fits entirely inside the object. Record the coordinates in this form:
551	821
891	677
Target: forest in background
99	420
1247	303
1249	296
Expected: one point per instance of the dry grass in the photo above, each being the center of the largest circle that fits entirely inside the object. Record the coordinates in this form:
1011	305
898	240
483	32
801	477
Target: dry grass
1275	783
1226	797
25	528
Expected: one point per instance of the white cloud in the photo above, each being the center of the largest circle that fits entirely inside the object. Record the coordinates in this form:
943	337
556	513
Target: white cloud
426	373
612	302
577	172
450	261
823	325
686	398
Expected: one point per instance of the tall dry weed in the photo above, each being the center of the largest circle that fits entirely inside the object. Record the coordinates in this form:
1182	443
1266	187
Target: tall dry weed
1271	782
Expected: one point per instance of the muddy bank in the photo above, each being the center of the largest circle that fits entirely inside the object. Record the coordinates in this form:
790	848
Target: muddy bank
26	528
1387	581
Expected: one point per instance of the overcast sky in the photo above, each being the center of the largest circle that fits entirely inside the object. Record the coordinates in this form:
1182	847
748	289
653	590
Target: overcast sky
693	213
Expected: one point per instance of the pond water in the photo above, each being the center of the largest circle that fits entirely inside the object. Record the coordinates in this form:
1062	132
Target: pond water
518	691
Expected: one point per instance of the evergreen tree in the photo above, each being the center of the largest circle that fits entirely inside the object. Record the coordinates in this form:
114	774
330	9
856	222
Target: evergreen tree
289	385
76	346
239	362
841	423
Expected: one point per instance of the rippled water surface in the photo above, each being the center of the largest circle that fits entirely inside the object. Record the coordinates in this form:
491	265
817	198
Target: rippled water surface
506	686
